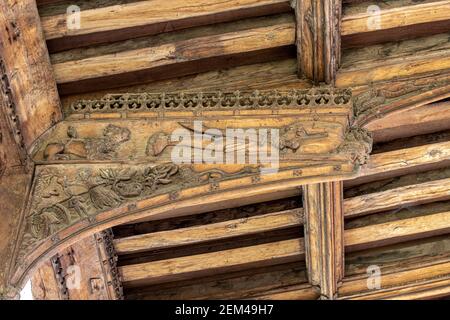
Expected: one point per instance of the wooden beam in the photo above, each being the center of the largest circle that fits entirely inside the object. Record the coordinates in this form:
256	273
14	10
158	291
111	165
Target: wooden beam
393	22
392	61
176	59
420	120
27	77
397	231
410	195
210	263
137	19
400	162
208	232
243	284
324	228
423	281
318	39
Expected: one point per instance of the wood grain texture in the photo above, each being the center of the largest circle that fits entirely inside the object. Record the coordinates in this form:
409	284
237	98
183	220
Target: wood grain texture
318	39
208	232
183	51
28	69
403	161
324	240
420	120
419	281
135	19
227	260
362	22
402	196
394	60
397	231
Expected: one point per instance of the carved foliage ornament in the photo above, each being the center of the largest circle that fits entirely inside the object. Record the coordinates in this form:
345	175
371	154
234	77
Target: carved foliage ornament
214	100
59	202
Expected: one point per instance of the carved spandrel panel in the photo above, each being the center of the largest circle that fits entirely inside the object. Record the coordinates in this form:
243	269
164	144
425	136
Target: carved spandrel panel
106	165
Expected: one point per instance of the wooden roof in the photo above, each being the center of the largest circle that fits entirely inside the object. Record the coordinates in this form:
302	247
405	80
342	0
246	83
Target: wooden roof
88	105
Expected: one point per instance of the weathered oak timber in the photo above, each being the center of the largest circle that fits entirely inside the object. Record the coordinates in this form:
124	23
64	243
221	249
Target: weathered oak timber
318	39
204	233
98	275
136	19
324	236
26	72
427	280
403	161
14	191
177	58
428	118
233	259
244	284
393	21
411	195
394	60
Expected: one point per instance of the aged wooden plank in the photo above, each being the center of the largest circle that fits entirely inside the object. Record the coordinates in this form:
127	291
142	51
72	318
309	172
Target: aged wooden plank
416	121
397	231
394	60
417	281
27	77
177	58
318	39
324	241
404	161
208	232
209	263
243	284
418	13
135	19
402	196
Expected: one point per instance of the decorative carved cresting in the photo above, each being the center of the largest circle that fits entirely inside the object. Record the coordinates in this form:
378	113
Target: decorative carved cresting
129	102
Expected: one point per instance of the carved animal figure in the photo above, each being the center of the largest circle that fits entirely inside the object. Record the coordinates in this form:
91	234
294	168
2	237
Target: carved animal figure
103	148
293	136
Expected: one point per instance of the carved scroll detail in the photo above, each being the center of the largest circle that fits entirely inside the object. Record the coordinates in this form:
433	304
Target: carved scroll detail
214	100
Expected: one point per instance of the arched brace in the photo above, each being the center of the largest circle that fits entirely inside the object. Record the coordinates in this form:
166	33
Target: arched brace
379	101
57	217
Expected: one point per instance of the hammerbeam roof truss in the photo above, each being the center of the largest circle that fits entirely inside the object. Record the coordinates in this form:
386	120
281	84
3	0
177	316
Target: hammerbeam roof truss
86	115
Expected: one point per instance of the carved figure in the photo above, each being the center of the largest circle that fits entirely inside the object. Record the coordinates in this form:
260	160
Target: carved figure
293	136
103	148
